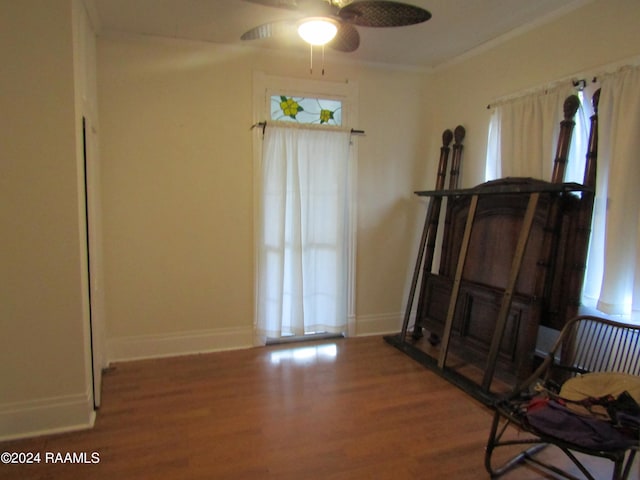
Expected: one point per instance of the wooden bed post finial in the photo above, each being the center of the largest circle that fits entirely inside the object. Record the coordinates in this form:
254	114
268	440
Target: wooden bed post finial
571	105
596	100
459	134
591	165
447	136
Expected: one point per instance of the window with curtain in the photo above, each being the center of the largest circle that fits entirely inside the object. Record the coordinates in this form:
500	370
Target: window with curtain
303	252
521	142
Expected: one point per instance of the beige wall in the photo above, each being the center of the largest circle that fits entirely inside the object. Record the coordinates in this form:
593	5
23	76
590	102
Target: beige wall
44	382
177	187
392	164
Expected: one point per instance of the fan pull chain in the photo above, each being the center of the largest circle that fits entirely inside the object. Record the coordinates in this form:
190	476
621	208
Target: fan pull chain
311	59
322	60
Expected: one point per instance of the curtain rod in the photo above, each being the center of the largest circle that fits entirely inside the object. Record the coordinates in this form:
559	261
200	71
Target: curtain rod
263	125
578	84
579	80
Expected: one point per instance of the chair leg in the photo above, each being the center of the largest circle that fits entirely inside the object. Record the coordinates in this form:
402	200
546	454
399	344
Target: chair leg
494	441
578	464
627	466
621	467
491	444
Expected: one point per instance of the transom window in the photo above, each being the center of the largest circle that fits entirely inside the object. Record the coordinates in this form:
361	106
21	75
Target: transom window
308	110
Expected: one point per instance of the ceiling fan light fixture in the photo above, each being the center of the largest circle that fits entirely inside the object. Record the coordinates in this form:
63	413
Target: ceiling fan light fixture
317	30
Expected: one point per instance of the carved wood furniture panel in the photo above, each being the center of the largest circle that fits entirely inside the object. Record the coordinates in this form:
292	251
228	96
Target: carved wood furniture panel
513	258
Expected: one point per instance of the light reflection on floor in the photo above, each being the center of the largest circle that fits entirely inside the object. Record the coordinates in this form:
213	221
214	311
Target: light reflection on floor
305	354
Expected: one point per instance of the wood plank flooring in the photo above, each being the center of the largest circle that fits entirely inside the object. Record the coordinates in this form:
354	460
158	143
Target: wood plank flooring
344	409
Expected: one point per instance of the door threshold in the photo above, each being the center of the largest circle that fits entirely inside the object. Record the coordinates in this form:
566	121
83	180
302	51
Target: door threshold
304	338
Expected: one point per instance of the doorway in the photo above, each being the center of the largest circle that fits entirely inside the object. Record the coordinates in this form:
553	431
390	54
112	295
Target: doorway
300	119
94	257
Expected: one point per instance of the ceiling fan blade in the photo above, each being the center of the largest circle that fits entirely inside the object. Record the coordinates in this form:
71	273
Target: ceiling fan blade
309	7
347	39
269	30
287	4
374	13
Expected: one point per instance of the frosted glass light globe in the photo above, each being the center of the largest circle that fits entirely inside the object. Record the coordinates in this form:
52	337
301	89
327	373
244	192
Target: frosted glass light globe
317	30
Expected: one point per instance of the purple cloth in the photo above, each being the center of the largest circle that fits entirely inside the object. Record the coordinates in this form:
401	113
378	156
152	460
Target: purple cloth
559	422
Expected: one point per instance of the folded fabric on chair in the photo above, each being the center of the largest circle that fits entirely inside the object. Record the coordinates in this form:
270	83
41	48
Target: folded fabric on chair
612	394
549	417
599	384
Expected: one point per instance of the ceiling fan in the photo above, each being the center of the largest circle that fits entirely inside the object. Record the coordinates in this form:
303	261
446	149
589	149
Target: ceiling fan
340	19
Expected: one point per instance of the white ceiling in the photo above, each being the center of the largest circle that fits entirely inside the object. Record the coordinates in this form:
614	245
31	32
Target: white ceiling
457	26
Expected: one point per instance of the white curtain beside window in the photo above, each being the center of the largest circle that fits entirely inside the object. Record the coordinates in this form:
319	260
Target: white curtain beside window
303	251
619	180
523	133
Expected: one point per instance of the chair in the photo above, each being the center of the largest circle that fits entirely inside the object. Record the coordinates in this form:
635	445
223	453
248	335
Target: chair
589	354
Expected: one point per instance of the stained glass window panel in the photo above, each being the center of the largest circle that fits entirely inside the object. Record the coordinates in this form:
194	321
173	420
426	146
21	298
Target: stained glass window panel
319	111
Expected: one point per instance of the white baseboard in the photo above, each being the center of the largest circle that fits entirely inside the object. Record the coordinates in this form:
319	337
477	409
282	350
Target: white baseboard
378	324
121	349
46	416
175	344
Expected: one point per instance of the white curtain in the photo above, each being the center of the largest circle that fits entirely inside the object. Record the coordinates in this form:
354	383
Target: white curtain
619	184
304	232
523	133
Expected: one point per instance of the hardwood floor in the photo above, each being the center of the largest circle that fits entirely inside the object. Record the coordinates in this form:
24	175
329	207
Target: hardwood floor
344	409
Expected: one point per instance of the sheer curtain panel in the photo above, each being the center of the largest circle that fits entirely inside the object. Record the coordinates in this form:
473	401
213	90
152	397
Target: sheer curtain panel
523	132
619	178
304	230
